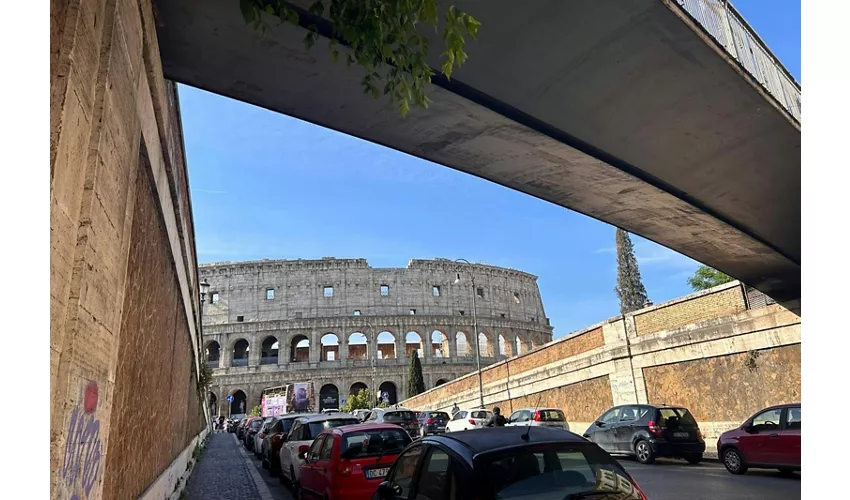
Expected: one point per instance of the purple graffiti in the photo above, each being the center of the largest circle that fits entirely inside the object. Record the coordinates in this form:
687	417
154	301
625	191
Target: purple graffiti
82	451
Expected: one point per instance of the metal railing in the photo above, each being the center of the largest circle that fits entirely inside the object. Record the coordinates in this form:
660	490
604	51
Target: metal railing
726	25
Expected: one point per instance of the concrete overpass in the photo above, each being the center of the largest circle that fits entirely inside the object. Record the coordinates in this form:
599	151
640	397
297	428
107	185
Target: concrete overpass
662	118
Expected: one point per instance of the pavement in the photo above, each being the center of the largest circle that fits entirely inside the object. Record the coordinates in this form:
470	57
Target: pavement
677	479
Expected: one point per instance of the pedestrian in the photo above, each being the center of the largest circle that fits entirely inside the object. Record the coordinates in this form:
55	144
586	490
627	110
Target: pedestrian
455	409
497	420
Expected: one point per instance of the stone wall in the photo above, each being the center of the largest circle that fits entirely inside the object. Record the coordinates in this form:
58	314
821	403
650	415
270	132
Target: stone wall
123	289
722	367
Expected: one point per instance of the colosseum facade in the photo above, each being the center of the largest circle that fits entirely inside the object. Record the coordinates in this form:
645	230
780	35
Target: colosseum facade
345	325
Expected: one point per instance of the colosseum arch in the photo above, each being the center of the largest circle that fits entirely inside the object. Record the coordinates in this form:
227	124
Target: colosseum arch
270	351
212	401
518	346
213	353
299	349
330	347
440	382
484	345
239	403
390	389
358	346
535	340
503	347
328	397
412	342
356	387
439	344
463	349
386	345
240	353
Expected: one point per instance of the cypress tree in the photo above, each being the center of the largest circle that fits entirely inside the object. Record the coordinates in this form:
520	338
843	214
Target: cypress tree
415	381
630	289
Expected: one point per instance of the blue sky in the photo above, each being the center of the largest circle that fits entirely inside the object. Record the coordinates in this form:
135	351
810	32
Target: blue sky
268	186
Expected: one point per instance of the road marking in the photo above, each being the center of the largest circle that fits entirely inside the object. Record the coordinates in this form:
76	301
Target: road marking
265	494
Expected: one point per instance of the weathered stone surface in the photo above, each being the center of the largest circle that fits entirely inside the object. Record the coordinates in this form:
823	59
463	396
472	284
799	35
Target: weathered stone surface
686	312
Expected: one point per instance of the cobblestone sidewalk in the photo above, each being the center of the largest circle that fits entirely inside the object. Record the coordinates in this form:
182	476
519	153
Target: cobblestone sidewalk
223	473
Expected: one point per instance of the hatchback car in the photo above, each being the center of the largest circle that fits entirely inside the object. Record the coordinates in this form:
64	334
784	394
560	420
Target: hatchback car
350	462
463	420
402	417
432	422
770	439
540	417
304	431
274	441
260	436
648	432
507	462
252	427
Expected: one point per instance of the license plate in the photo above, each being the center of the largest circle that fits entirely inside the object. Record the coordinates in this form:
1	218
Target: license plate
377	473
680	435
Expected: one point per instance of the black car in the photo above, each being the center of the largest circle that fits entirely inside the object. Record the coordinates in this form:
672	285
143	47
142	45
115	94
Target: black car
401	417
432	422
252	428
648	432
507	462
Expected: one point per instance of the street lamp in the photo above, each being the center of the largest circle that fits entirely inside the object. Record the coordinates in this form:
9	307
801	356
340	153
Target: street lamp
475	327
204	289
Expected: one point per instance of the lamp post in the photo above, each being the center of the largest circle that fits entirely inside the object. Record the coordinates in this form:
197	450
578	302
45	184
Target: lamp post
475	328
204	289
372	357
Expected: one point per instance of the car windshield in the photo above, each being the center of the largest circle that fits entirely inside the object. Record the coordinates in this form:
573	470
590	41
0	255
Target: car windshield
398	416
373	443
554	472
680	416
480	414
316	428
551	416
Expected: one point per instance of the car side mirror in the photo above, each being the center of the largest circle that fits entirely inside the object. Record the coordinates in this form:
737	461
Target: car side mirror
600	423
388	490
303	456
749	429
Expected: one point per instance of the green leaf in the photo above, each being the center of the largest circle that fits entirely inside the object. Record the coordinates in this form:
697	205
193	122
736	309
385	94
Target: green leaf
472	26
309	39
404	108
248	9
447	69
335	55
317	9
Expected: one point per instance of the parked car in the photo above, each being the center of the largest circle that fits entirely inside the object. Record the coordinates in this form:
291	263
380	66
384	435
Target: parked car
274	440
350	462
467	419
232	424
404	418
770	439
330	410
259	436
509	462
539	417
648	432
432	422
304	431
252	427
361	414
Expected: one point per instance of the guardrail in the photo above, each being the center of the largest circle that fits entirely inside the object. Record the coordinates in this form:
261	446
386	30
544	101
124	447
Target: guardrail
726	25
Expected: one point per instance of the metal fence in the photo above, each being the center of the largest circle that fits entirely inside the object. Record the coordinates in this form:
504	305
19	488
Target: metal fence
726	25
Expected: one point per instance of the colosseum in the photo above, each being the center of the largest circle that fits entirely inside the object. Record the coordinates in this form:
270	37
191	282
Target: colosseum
345	325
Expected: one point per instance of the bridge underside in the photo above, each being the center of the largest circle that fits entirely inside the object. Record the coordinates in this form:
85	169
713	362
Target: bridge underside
620	110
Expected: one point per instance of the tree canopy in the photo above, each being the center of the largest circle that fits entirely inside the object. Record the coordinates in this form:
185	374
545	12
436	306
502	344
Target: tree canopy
630	289
415	381
360	401
382	37
707	277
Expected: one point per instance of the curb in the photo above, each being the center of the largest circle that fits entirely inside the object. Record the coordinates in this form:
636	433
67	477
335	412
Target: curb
265	494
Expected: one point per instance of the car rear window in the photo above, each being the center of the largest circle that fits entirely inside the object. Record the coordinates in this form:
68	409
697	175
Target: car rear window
438	414
373	443
287	424
480	414
399	416
681	414
553	471
316	428
551	416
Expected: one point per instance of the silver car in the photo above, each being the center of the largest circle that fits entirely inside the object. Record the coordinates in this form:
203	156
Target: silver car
542	417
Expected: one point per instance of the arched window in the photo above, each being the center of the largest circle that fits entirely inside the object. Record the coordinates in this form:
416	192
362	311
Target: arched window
330	347
484	346
518	350
439	344
358	346
239	404
213	353
270	351
463	349
386	345
502	348
328	397
413	342
440	382
388	393
240	353
299	350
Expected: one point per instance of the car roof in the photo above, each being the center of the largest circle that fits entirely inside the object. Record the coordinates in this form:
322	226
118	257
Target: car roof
476	409
542	408
362	427
326	417
496	438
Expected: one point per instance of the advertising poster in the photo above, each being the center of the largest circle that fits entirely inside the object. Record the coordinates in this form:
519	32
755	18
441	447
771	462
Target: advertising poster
299	399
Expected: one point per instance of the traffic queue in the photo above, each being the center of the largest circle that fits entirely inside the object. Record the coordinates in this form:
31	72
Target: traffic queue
477	453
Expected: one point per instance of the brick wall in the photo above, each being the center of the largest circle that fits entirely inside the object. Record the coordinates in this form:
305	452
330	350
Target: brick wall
700	308
731	387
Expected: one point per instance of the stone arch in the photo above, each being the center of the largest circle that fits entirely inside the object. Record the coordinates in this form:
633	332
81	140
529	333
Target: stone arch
270	351
239	403
484	345
412	342
517	346
385	345
358	346
212	401
299	349
356	387
503	347
440	382
463	348
330	347
213	353
535	340
439	344
328	397
241	349
389	388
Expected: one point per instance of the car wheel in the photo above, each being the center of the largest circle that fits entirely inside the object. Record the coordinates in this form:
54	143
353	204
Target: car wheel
733	461
644	452
694	459
786	470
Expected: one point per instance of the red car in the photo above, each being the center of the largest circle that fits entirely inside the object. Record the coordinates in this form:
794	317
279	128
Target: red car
770	439
351	461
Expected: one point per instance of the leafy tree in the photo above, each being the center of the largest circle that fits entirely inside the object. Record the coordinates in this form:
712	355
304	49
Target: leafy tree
360	401
382	37
256	411
415	381
630	289
707	277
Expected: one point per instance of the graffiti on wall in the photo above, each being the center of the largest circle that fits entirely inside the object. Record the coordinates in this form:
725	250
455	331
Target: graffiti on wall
81	466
